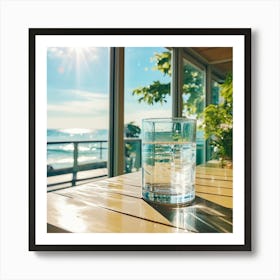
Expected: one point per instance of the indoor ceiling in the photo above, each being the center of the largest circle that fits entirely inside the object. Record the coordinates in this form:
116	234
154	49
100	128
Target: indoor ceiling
219	57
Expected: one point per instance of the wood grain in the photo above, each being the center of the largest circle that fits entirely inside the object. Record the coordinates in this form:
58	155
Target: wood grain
116	205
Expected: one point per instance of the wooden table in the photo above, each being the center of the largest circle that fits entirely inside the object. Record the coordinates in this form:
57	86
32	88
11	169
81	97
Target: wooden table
115	205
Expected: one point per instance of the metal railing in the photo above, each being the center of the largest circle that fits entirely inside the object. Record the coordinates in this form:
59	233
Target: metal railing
132	159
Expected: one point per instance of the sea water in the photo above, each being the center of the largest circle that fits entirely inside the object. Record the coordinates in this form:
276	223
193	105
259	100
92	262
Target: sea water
61	155
169	172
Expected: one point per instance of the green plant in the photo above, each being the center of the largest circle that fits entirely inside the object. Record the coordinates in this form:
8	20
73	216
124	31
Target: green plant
131	148
217	119
157	91
218	123
132	130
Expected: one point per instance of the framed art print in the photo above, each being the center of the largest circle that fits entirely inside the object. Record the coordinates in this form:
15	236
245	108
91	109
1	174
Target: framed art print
102	176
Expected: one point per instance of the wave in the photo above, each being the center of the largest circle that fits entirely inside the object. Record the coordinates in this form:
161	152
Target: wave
76	134
61	155
73	131
70	148
57	163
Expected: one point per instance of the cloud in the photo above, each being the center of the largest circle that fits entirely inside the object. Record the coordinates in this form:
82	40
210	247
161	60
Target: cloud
136	111
56	52
66	53
80	103
87	109
137	116
78	122
83	94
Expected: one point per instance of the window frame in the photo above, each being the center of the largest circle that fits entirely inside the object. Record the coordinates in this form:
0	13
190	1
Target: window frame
116	97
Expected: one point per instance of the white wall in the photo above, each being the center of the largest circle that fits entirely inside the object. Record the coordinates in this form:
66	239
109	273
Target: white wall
17	262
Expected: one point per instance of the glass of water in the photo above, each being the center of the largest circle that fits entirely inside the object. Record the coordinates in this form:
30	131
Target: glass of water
168	160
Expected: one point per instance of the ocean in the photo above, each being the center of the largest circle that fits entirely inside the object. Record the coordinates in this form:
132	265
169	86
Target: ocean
61	155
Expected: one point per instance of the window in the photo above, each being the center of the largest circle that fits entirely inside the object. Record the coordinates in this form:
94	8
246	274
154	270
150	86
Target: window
147	94
78	113
219	124
194	102
215	93
139	82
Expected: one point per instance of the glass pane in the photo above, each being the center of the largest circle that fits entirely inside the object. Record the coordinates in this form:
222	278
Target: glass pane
147	95
78	113
219	124
216	96
194	102
215	99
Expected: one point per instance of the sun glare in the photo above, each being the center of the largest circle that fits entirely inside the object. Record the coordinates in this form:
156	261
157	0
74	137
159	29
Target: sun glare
76	59
83	55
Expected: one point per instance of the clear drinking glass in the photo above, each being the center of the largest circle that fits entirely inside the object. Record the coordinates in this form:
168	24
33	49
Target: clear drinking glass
168	160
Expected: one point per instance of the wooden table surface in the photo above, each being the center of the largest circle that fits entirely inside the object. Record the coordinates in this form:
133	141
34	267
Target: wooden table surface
115	205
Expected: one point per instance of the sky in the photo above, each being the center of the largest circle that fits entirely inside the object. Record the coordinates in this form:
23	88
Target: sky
78	86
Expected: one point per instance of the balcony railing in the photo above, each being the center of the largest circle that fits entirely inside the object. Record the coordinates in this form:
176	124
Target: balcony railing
132	159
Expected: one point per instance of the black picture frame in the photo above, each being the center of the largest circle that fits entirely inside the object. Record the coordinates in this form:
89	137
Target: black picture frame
244	33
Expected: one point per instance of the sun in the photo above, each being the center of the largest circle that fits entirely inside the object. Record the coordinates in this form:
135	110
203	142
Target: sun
81	57
76	59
